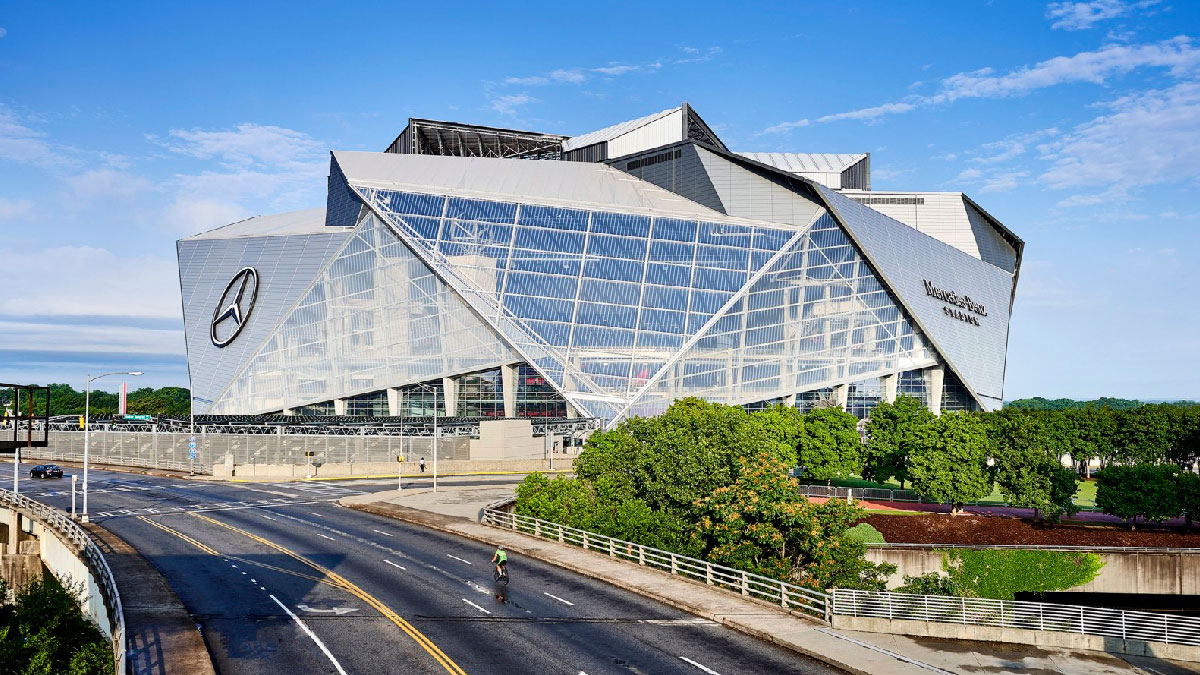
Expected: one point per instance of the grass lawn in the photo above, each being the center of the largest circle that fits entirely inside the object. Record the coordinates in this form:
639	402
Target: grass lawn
1085	496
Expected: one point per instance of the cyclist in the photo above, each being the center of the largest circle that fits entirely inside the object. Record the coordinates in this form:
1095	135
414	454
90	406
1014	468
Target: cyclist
500	559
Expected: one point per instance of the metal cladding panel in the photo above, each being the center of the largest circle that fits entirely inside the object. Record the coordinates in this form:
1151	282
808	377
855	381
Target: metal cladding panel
678	170
993	247
908	260
611	132
664	130
286	266
748	194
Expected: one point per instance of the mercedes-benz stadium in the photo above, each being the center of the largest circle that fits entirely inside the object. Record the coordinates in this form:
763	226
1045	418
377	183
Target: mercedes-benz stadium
491	272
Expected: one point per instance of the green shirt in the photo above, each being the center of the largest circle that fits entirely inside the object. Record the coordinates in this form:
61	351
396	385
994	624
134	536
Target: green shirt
501	556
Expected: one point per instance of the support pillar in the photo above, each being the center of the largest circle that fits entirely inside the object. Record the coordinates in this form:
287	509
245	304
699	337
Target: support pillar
934	386
339	406
790	400
450	395
841	394
394	398
289	411
889	387
508	382
572	411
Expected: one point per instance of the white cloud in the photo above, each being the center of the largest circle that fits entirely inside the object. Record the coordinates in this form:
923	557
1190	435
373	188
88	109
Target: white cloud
247	145
86	280
1084	15
1149	138
1178	55
969	174
106	184
527	81
1003	181
574	76
20	143
508	104
1012	146
870	113
784	127
11	209
619	69
695	55
3	32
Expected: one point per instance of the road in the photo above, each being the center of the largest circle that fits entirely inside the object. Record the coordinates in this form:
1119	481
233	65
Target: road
281	579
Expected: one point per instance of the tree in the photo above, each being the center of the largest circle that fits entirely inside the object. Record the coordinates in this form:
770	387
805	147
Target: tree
1146	490
949	462
830	446
782	428
892	430
1026	464
761	523
1189	496
1143	434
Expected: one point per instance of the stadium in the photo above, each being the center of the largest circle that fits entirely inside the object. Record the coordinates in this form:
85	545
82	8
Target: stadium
480	272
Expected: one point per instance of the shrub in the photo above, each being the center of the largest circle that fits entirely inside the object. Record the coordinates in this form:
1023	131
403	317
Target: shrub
865	533
932	583
43	631
1000	574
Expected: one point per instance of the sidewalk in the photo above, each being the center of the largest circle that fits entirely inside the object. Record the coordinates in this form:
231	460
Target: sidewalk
455	511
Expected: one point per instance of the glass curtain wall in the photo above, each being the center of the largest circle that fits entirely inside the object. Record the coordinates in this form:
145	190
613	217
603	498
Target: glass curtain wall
536	397
481	394
373	404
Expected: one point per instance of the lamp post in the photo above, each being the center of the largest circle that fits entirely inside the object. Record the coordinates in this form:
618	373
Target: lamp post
435	435
87	409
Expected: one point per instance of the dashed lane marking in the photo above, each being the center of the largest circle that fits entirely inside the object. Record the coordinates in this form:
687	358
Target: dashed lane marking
458	558
382	532
309	633
395	565
565	602
701	666
476	606
326	536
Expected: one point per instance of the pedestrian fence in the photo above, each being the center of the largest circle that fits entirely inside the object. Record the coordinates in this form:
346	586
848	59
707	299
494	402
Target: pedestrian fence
786	595
70	531
1039	616
891	495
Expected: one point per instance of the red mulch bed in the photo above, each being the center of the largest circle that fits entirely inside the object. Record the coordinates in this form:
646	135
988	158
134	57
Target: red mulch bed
976	529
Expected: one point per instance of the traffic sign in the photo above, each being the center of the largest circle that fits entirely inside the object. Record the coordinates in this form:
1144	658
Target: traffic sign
192	453
145	418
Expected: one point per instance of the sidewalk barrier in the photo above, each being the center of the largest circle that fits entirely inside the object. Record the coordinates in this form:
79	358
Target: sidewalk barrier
786	595
1037	616
86	549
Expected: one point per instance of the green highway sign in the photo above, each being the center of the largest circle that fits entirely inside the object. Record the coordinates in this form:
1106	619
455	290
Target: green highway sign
139	417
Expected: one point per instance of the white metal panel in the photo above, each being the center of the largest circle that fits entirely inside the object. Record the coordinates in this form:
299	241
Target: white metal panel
661	131
308	221
609	133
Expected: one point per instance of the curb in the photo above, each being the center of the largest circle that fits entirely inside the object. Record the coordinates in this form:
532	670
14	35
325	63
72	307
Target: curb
431	521
315	479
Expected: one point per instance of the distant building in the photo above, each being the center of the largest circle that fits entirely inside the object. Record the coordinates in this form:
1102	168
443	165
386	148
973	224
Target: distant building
628	267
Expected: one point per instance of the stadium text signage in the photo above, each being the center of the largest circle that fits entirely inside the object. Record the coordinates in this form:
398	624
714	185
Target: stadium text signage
974	310
234	307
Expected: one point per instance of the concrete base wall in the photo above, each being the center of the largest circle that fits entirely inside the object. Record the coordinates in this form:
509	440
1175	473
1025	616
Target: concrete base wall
351	469
956	631
1154	573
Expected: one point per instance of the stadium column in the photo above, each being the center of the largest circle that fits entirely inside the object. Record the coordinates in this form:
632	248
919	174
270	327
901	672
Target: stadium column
450	395
936	375
889	387
394	398
508	383
841	394
339	406
790	400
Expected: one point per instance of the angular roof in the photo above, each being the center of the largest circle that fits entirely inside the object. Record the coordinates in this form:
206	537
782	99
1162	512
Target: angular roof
308	221
609	133
806	162
570	184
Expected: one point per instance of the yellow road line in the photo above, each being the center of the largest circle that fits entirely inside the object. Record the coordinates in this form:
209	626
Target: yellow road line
341	581
211	551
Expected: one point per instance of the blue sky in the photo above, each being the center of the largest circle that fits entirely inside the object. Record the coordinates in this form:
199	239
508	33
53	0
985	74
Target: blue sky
125	126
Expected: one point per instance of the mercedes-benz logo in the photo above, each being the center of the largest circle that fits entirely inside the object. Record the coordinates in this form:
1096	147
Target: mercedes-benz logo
234	307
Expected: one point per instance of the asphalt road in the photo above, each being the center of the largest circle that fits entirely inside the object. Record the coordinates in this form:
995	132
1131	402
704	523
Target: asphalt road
282	580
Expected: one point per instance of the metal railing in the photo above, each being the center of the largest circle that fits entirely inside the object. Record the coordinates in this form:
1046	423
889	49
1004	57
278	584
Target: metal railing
781	593
1039	616
896	495
1039	547
87	550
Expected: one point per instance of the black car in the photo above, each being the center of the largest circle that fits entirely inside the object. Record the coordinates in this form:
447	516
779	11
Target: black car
46	471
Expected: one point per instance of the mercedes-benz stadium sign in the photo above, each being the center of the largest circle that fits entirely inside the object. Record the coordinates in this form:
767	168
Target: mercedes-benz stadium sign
952	298
234	308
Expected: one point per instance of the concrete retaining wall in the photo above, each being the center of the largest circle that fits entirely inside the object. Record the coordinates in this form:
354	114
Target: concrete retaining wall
1136	572
340	470
956	631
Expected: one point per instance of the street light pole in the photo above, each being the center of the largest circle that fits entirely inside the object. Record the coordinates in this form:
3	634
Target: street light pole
435	438
87	409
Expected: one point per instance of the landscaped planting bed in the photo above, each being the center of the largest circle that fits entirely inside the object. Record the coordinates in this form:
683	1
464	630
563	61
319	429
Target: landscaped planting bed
975	529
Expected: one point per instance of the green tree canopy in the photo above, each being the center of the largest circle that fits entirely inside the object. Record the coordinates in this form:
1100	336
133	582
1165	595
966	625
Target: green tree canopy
949	463
892	432
830	446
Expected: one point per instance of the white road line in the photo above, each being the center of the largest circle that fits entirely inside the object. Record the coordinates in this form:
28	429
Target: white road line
458	558
316	514
395	565
312	635
475	606
326	536
701	666
383	533
253	581
565	602
678	622
267	517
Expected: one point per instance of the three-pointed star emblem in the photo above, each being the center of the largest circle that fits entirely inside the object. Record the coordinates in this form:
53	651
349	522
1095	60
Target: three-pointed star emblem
234	306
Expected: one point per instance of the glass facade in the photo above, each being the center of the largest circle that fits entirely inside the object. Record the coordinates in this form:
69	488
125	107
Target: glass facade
914	383
420	400
374	404
955	396
481	394
536	397
862	397
627	312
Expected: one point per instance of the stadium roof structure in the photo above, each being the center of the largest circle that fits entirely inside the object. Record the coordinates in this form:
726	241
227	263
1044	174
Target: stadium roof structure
651	263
